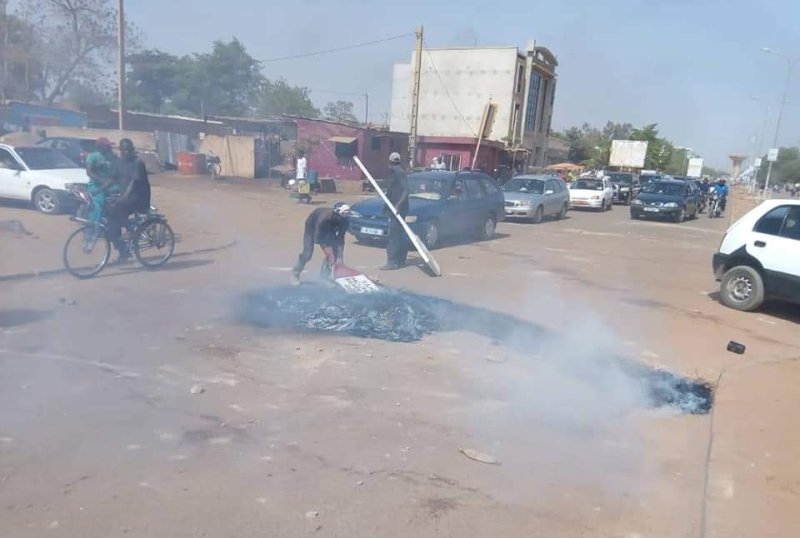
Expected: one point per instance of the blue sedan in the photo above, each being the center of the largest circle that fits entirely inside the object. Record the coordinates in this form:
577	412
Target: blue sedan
442	205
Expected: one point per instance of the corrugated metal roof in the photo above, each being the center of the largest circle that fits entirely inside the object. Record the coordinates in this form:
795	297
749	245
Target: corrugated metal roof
343	139
141	139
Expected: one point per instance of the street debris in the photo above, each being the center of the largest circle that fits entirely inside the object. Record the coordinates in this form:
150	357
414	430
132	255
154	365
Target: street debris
400	316
312	514
197	389
479	456
736	347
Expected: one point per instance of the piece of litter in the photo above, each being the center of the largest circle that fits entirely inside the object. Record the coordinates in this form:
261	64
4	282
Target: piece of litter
479	456
312	514
360	483
197	389
736	347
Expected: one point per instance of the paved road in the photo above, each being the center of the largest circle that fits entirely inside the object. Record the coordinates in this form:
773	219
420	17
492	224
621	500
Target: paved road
300	435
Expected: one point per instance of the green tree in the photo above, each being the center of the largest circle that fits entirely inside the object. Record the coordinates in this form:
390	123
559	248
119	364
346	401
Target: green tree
340	111
154	78
659	150
228	79
277	97
20	59
784	170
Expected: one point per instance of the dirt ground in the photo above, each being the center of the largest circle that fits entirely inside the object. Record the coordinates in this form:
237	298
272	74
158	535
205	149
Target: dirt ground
298	434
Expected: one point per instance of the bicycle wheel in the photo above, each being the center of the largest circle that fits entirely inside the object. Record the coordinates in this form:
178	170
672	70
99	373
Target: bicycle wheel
87	251
153	243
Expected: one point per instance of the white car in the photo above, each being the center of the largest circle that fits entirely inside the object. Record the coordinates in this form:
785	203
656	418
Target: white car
37	174
594	193
759	257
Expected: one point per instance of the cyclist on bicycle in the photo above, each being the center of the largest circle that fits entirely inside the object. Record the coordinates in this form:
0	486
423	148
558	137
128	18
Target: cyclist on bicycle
101	167
131	175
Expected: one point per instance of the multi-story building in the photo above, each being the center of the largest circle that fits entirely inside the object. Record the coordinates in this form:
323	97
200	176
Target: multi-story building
507	92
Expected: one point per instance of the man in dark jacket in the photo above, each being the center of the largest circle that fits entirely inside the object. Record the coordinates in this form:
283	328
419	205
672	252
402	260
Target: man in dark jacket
397	244
134	186
325	227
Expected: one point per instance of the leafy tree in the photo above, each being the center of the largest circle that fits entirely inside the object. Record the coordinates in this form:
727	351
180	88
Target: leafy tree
228	79
340	111
784	170
77	41
659	150
20	61
154	78
277	97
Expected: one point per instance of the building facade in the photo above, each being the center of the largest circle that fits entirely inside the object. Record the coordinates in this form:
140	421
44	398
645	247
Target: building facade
29	117
500	97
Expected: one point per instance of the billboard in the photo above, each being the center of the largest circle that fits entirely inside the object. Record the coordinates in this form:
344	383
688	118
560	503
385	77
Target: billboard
695	168
629	153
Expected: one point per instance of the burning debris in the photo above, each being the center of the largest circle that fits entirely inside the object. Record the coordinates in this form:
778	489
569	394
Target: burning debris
404	317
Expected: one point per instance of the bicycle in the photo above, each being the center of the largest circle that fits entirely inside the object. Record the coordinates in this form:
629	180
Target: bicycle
148	236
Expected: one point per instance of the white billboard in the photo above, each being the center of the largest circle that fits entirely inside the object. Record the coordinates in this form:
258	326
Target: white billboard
695	168
629	153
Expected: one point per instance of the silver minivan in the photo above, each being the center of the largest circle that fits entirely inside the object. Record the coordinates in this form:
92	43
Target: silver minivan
533	197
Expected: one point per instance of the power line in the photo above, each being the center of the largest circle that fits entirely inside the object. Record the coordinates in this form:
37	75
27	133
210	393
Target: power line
337	49
447	91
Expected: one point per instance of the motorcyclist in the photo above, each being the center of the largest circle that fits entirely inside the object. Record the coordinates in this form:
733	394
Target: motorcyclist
721	190
325	227
705	186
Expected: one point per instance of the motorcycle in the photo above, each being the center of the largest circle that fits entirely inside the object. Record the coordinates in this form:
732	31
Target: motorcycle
715	206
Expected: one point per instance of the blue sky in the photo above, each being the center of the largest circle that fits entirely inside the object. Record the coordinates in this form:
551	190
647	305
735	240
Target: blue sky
689	65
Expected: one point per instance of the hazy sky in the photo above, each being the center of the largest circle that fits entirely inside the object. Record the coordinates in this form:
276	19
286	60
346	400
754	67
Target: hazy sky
689	65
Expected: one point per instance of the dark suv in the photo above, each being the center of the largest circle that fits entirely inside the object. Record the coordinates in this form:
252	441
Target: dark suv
667	198
442	205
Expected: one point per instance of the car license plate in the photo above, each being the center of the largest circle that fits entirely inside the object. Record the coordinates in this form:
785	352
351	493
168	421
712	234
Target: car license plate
371	231
651	209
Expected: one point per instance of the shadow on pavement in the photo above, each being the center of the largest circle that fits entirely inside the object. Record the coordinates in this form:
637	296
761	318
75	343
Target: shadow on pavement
777	309
21	316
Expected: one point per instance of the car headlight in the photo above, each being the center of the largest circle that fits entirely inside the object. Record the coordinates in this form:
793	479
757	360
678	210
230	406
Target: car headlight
411	219
636	202
670	204
596	197
524	203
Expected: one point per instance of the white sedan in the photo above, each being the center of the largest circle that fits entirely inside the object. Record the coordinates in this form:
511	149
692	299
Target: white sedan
594	193
38	174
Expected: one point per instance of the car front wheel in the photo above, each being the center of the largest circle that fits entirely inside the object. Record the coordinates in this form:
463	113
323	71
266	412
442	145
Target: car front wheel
742	288
487	229
431	236
46	201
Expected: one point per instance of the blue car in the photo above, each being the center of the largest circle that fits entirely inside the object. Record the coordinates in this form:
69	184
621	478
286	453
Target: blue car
442	205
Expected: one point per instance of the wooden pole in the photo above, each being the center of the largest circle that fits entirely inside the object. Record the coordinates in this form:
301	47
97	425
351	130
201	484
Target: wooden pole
412	138
121	62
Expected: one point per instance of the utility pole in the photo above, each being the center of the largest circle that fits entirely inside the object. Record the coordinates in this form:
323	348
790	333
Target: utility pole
5	49
412	137
121	62
366	108
790	63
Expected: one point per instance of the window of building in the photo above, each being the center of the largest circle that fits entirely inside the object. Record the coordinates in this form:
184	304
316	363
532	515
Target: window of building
520	78
533	101
515	124
544	104
375	144
452	162
345	150
771	222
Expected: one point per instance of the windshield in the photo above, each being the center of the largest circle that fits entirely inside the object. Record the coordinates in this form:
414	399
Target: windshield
670	189
625	179
45	159
588	184
427	188
532	186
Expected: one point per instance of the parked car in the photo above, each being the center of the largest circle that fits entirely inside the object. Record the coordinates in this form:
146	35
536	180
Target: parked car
77	149
667	198
759	257
442	205
38	174
535	197
625	185
594	193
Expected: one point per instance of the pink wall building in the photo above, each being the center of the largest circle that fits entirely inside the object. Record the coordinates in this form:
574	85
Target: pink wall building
330	147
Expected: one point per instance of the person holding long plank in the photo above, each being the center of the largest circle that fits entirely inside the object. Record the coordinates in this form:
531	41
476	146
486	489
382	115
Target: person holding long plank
397	193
